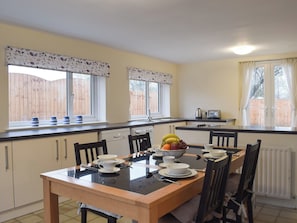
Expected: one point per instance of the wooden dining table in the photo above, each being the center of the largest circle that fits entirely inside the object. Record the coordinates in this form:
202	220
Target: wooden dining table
140	197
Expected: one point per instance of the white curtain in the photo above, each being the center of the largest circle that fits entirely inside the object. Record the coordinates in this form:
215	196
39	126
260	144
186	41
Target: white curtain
290	70
247	70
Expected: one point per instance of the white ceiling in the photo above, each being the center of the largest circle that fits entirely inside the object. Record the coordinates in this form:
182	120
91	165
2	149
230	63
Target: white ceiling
181	31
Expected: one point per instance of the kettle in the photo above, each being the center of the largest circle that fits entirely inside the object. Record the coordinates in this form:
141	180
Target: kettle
198	113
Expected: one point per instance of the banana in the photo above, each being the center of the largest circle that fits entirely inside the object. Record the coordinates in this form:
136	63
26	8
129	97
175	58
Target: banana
170	135
171	140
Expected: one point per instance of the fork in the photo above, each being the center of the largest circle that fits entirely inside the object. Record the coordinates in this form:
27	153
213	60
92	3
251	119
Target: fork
161	178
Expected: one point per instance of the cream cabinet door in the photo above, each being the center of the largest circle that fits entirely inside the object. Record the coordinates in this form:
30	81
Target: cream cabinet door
30	158
193	137
34	156
162	129
6	185
67	156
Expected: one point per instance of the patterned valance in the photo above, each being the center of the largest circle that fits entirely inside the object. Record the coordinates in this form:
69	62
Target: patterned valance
31	58
147	75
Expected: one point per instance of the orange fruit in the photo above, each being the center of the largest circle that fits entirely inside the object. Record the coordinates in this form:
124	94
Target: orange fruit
166	146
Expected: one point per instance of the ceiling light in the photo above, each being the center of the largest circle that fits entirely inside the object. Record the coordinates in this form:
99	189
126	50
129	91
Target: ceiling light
243	50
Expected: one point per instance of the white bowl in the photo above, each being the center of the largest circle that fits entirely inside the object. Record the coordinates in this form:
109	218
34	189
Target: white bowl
177	168
168	159
176	153
108	164
217	152
107	157
208	146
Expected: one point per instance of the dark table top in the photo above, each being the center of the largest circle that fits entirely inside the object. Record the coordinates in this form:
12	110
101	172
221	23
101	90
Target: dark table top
139	176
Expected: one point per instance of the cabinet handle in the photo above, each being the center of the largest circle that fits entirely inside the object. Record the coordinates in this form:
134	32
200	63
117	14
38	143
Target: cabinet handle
173	129
57	150
66	149
6	158
117	136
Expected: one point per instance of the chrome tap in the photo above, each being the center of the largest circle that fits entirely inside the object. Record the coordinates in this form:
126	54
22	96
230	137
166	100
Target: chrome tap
149	115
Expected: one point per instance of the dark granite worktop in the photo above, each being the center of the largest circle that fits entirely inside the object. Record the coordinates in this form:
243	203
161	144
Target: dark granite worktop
251	129
71	129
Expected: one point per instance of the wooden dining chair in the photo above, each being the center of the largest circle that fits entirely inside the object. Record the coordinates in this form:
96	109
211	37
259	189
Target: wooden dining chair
89	152
139	143
240	186
208	206
220	138
86	153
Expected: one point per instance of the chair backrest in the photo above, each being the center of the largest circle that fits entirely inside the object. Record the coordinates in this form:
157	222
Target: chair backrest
139	142
248	172
88	152
223	138
214	187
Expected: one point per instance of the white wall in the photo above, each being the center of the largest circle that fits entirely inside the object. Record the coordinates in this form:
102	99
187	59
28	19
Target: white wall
213	85
207	84
117	84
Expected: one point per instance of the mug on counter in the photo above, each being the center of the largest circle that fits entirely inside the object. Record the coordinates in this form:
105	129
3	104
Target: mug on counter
66	120
53	120
35	121
79	119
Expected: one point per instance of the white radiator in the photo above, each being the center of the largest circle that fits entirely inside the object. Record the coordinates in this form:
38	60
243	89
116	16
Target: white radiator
273	176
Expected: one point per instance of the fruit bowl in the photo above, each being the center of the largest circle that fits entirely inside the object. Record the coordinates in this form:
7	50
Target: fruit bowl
176	153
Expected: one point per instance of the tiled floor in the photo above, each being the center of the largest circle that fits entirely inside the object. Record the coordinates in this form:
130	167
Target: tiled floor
68	214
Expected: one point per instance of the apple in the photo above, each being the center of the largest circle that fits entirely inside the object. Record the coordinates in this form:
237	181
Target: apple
174	146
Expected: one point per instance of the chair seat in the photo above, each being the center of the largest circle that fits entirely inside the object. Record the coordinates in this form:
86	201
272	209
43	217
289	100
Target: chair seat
232	183
186	213
168	218
99	210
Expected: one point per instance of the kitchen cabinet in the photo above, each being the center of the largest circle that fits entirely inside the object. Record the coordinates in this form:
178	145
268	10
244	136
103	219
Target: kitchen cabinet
34	156
162	129
117	141
6	179
193	137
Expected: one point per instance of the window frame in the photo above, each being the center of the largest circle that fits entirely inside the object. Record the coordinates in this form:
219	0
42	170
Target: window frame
269	108
163	101
97	101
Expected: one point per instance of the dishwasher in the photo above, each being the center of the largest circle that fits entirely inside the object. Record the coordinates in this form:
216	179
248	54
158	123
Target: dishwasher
116	140
142	130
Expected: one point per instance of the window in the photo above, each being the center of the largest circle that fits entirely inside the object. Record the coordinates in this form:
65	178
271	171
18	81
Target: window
269	101
149	94
44	85
43	93
144	98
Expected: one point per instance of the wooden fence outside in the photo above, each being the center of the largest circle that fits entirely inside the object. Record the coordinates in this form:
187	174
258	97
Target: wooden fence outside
31	96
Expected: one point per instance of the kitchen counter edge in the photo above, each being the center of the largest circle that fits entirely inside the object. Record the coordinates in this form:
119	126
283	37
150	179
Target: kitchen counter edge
251	129
74	129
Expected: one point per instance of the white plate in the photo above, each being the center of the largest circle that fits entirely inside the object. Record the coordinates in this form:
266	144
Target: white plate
205	150
164	165
191	173
118	161
115	170
209	156
188	172
107	157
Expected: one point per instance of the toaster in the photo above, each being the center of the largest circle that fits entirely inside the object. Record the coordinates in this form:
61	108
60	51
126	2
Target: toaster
214	114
